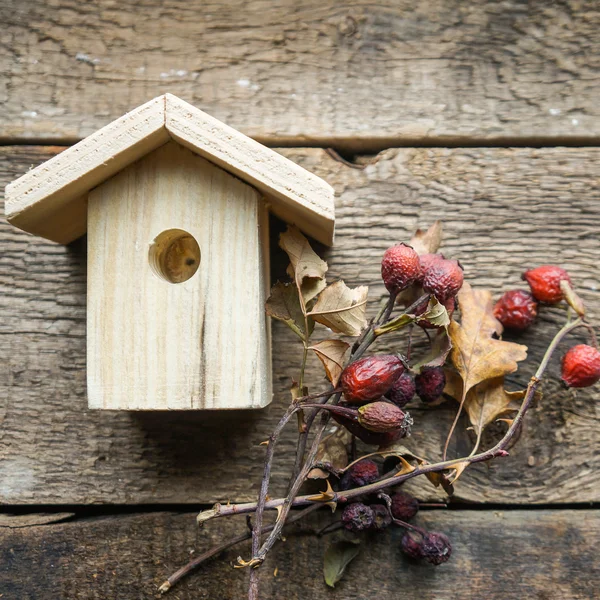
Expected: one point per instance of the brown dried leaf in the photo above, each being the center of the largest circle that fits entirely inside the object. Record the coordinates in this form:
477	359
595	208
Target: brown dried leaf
331	353
342	309
475	354
489	400
440	479
427	242
333	450
306	268
284	305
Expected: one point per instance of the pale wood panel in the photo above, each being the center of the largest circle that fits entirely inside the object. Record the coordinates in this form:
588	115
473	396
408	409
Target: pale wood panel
158	344
504	210
497	555
356	73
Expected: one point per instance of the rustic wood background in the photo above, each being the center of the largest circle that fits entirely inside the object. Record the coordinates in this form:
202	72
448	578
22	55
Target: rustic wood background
482	114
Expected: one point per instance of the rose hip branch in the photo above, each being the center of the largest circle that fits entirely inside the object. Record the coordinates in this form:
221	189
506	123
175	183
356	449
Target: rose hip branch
467	361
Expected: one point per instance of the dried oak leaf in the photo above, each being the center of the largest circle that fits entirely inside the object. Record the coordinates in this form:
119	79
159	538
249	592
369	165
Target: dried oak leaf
341	308
485	402
333	451
475	354
427	242
306	268
331	353
284	304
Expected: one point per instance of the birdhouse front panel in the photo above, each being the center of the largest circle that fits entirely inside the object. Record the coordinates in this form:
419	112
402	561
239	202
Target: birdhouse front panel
178	275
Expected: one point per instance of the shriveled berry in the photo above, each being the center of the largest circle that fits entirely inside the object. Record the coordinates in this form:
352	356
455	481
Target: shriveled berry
404	506
545	283
581	366
516	309
436	548
427	261
403	390
382	417
366	436
443	279
381	517
370	378
357	517
400	267
359	474
430	383
411	545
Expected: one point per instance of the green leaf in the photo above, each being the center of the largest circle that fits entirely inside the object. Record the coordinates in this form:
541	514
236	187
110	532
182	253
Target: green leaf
395	324
436	314
284	305
337	557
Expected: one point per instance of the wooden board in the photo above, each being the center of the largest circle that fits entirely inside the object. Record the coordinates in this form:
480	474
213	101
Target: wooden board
154	340
504	209
497	555
358	74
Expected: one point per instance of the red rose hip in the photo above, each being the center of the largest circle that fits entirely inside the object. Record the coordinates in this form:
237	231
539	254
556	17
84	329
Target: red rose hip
545	283
581	366
400	268
443	279
370	378
516	310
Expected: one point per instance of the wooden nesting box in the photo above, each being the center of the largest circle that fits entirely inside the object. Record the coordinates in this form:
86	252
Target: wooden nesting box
175	205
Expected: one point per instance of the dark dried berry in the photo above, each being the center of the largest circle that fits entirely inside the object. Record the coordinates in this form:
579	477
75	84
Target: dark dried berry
404	506
357	517
516	309
403	390
430	383
581	366
545	283
411	545
427	261
443	279
370	378
366	436
382	417
400	267
436	548
381	517
362	473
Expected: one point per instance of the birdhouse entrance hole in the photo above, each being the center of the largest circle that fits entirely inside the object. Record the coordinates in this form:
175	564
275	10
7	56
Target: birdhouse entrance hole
174	255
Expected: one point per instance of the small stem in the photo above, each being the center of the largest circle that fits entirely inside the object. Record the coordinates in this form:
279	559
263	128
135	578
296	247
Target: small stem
193	564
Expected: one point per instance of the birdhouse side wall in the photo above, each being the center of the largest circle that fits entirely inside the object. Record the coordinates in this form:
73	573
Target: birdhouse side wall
178	275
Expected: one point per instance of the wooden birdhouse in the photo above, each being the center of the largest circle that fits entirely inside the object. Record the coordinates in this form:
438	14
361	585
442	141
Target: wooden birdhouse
175	205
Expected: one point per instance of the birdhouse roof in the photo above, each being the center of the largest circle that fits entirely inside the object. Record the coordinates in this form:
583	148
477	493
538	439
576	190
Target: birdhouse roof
51	200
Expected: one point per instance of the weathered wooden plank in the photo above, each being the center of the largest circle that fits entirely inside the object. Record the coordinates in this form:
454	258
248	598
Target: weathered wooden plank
496	555
355	74
504	209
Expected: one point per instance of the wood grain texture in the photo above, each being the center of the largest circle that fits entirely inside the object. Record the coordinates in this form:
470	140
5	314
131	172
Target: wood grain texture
50	200
355	74
496	555
153	344
504	210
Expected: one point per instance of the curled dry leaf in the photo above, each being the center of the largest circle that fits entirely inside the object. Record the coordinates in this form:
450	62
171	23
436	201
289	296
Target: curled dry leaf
284	305
306	268
427	242
341	308
333	451
337	557
438	352
485	402
331	353
475	354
